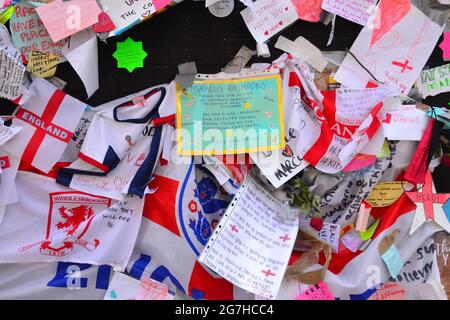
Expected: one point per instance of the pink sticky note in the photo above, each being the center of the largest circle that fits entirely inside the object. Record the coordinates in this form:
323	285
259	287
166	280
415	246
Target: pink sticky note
318	291
159	4
63	19
445	45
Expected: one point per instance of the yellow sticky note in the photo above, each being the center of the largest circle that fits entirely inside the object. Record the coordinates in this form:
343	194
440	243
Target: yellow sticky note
385	193
384	152
42	64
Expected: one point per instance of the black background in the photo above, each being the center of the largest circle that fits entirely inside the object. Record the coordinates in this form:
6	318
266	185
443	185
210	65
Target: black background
189	32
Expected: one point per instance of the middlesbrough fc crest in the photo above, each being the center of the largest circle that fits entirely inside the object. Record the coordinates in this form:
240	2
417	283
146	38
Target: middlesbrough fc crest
69	218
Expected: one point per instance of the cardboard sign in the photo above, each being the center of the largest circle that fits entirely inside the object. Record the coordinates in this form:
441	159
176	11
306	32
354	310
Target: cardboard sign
442	245
65	18
251	245
385	193
230	116
357	11
29	33
435	81
266	18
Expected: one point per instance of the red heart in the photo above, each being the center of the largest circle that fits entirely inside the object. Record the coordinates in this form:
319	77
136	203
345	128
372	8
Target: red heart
104	23
287	152
266	33
280	23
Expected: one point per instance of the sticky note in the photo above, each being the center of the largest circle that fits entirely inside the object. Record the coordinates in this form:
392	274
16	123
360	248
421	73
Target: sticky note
393	260
65	18
318	291
366	235
130	55
42	64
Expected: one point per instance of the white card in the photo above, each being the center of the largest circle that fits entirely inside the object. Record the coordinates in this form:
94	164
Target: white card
251	245
122	287
6	133
396	58
358	11
405	123
266	18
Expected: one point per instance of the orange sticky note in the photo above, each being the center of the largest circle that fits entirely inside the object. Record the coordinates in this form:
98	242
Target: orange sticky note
363	216
63	19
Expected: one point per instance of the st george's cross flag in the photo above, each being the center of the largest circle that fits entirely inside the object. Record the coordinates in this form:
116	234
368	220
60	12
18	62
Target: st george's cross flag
48	117
52	223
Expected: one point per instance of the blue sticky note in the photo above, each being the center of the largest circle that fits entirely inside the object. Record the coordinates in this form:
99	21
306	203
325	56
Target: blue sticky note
446	208
393	260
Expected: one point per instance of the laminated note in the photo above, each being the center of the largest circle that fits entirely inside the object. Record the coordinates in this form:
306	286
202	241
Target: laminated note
252	244
358	11
435	81
230	116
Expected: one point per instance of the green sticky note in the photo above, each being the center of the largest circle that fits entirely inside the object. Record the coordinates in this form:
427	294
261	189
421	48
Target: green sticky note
366	235
130	55
384	152
6	15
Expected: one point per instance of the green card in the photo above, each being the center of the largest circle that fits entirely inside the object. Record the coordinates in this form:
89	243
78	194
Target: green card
130	55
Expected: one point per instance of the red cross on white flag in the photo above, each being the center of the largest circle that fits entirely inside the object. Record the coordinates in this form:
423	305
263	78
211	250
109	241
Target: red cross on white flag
48	117
429	205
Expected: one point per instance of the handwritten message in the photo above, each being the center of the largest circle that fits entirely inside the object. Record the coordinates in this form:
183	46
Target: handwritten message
266	18
42	64
385	193
11	68
125	13
357	11
251	245
29	33
435	81
318	291
405	123
230	116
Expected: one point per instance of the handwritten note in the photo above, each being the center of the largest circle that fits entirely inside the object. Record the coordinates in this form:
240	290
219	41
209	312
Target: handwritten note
435	81
125	13
230	116
42	64
266	18
29	33
11	68
393	260
318	291
357	11
385	193
405	123
65	18
252	244
330	233
396	58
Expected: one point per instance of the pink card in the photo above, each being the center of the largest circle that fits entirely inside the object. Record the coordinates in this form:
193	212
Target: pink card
63	19
318	291
159	4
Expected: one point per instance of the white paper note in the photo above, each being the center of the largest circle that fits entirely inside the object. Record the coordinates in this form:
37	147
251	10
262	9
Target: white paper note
266	18
397	58
405	123
6	133
11	68
251	245
357	11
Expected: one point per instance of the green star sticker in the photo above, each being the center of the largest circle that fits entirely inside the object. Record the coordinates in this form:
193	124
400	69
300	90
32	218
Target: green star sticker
130	55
